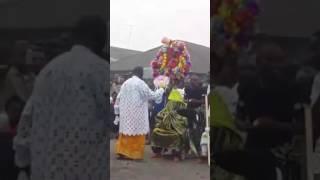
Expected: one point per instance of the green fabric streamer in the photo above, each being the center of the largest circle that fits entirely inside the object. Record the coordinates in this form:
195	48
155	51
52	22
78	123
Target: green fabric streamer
221	116
224	134
171	129
175	95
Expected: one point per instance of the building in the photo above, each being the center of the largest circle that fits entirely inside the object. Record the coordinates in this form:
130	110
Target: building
200	57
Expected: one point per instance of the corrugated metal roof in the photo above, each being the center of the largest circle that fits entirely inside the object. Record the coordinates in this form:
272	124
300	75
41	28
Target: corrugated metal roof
119	53
200	57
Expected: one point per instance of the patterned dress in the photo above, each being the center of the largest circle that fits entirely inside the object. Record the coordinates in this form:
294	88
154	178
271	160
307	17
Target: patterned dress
133	101
63	130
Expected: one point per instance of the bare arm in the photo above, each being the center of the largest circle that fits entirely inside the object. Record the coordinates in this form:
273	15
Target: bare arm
147	93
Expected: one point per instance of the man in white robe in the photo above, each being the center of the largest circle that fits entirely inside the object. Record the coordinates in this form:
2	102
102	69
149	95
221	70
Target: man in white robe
63	130
133	101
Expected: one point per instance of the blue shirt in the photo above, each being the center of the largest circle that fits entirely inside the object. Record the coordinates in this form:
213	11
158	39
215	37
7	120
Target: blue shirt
157	107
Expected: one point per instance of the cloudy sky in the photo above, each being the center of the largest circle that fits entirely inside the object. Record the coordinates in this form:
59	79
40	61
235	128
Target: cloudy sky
141	24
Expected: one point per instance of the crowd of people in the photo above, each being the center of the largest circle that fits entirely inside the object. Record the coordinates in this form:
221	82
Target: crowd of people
171	118
55	121
259	112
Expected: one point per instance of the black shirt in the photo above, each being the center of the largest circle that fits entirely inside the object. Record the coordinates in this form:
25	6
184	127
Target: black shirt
272	101
194	93
275	101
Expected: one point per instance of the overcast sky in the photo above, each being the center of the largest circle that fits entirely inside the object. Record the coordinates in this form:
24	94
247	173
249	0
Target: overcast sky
141	24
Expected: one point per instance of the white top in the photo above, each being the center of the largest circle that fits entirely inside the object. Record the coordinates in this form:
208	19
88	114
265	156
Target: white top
133	106
64	124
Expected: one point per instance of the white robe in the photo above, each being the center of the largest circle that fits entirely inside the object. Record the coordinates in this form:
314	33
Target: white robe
64	124
133	106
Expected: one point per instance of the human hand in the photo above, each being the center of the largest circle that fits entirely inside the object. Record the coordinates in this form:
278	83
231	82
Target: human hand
162	85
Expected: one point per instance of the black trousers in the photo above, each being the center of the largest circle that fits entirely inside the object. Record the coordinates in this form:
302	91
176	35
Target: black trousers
196	127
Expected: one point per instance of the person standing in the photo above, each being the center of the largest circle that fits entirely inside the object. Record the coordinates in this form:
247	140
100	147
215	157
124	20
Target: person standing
63	129
133	102
13	109
268	104
116	85
19	82
19	79
194	94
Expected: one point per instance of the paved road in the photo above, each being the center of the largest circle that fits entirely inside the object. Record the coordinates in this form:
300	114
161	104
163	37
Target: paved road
157	169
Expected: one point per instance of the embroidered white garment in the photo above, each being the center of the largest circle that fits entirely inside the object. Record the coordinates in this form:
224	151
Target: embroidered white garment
64	124
133	106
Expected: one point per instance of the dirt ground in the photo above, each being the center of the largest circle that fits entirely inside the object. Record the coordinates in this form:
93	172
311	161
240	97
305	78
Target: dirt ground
156	169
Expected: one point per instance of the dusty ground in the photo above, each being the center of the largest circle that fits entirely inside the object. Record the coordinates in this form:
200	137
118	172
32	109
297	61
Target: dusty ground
157	169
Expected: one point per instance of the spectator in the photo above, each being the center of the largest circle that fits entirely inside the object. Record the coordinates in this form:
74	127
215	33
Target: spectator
63	130
13	110
269	106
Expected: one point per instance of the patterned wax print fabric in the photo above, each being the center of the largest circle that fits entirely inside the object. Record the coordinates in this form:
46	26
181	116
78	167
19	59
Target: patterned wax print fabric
223	133
222	115
171	131
63	129
176	95
131	147
133	106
